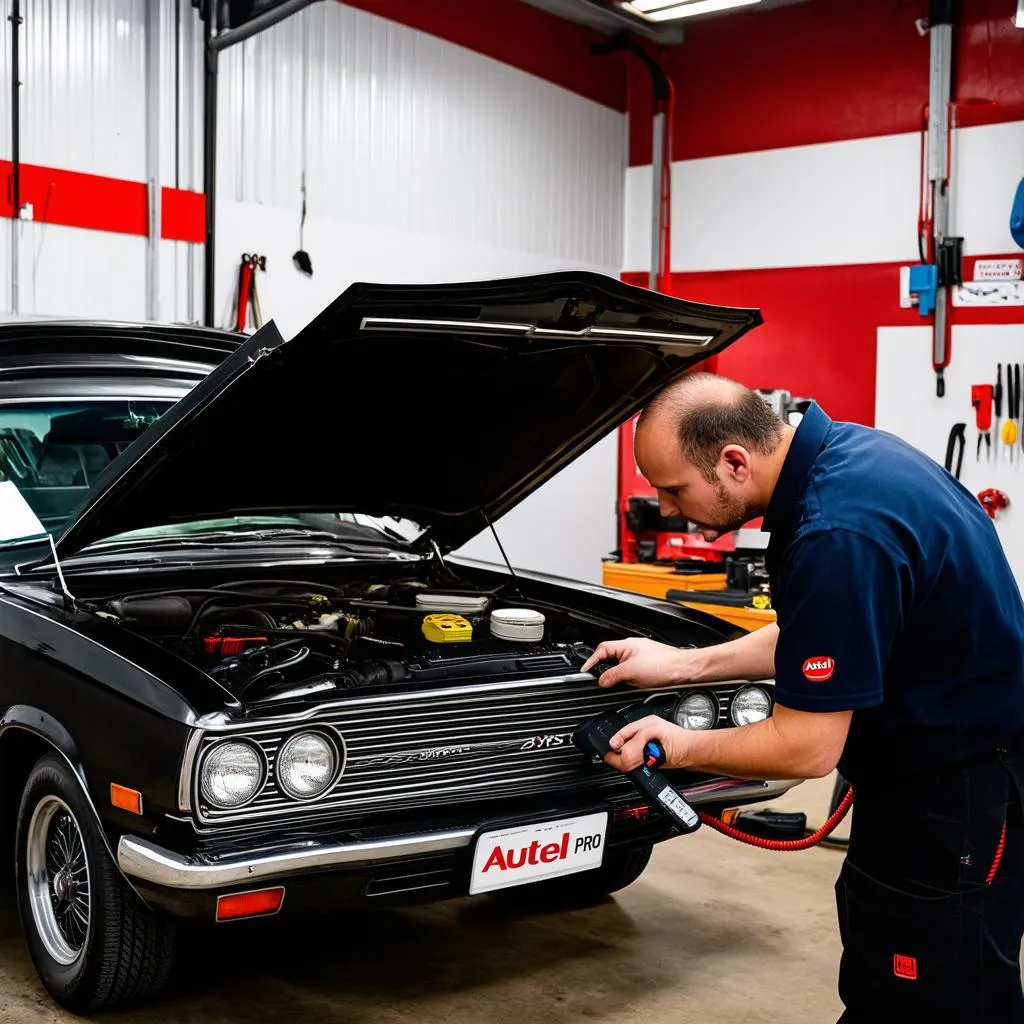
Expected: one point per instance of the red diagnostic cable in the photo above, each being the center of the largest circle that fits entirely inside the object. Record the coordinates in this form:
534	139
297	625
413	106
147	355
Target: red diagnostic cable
783	845
993	871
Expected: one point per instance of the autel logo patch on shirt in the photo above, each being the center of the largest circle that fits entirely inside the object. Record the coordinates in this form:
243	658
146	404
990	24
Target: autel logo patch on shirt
819	670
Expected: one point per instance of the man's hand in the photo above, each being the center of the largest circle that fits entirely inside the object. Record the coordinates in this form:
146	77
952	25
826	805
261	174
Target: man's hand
628	744
789	745
644	664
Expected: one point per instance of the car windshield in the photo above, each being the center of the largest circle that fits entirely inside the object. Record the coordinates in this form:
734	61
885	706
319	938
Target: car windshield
52	452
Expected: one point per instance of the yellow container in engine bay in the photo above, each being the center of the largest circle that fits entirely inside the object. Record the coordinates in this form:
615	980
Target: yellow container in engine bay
446	628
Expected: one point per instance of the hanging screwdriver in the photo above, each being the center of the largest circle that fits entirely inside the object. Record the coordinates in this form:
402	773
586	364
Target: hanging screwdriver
1020	402
981	399
997	394
1020	432
1009	433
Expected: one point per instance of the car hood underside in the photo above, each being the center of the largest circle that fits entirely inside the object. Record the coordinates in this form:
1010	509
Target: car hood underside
443	404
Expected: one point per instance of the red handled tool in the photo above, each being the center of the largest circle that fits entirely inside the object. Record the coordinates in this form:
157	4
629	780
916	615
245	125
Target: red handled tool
981	399
248	295
992	500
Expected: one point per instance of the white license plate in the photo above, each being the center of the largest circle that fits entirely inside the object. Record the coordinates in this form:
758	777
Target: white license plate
527	853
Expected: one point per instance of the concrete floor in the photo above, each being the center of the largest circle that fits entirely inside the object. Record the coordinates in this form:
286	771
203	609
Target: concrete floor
714	932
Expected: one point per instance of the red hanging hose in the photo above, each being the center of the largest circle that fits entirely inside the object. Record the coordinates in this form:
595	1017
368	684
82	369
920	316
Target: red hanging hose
783	845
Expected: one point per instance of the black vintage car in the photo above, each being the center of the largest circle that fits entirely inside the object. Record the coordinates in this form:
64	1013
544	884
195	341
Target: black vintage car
242	672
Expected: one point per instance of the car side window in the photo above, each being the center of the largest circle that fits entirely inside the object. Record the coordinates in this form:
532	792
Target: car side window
54	451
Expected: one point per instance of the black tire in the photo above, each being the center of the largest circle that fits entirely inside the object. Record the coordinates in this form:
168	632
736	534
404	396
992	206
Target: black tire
124	953
620	868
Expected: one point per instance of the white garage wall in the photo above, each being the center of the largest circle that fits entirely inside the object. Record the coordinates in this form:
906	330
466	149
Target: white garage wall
83	108
424	161
419	156
905	405
830	204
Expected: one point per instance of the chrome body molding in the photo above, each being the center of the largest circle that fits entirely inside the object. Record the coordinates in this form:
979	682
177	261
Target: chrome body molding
144	861
412	751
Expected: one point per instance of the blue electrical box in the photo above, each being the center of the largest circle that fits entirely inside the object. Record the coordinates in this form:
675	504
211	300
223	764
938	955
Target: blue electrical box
924	285
1017	216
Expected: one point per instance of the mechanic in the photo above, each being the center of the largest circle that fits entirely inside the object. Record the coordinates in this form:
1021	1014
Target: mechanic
898	656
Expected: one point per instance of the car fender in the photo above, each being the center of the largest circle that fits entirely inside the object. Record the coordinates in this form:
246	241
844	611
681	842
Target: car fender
44	727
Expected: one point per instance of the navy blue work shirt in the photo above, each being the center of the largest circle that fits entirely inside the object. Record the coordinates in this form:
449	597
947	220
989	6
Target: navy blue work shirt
894	600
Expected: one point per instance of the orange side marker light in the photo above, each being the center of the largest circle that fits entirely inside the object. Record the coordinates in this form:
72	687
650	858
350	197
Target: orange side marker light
125	798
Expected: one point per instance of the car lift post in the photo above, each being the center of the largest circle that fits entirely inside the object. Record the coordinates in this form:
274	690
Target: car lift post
257	18
663	101
940	32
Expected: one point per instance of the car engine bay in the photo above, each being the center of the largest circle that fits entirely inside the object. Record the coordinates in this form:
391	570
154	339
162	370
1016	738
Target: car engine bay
272	639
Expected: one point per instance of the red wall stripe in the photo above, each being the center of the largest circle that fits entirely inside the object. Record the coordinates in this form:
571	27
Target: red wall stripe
825	71
819	337
182	215
102	204
517	34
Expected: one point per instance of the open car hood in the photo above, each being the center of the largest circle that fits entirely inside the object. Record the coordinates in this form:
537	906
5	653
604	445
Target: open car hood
445	404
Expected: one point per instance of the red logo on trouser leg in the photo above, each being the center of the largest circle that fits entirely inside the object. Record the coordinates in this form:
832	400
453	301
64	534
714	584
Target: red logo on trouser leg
905	967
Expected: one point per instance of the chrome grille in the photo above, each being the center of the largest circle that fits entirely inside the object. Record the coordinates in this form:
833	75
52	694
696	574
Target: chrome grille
408	724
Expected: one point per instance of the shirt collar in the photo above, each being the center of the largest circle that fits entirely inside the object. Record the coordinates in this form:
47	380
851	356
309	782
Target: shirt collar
803	450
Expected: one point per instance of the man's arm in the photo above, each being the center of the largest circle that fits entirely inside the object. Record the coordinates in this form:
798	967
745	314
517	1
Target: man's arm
646	664
750	657
789	745
827	665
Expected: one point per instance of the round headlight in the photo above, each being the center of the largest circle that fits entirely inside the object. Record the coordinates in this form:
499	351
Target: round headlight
232	774
751	704
306	765
696	711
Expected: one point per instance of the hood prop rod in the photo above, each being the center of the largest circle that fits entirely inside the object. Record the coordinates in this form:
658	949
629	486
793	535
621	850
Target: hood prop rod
69	598
497	540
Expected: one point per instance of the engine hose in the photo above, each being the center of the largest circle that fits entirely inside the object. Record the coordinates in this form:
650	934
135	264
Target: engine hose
783	845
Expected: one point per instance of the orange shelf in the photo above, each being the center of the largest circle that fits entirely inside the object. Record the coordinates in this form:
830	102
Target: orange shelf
658	580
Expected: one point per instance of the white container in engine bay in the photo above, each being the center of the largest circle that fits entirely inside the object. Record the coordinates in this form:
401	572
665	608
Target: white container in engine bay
456	604
522	624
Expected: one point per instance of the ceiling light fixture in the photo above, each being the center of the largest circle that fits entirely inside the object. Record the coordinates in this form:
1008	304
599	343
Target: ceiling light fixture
669	10
1019	22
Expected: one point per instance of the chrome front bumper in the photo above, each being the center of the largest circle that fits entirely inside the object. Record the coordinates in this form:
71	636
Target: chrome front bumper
141	860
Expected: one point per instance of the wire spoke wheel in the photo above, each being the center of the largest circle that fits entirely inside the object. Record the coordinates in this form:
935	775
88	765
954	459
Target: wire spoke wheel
58	880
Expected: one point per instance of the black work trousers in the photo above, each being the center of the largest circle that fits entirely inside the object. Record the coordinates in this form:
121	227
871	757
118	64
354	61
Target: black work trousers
931	896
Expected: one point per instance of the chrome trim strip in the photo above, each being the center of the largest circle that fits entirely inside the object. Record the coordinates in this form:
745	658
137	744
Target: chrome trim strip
223	723
220	722
386	323
188	762
144	395
394	323
700	340
140	859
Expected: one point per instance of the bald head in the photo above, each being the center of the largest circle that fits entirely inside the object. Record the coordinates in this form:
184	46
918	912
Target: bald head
704	413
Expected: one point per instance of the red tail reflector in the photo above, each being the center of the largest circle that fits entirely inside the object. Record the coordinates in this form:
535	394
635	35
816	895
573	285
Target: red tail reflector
633	813
905	967
257	903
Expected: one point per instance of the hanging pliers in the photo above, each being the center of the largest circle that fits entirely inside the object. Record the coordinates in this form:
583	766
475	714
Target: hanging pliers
957	439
